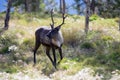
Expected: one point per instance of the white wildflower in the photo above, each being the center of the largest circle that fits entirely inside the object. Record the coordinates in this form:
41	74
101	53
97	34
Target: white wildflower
12	48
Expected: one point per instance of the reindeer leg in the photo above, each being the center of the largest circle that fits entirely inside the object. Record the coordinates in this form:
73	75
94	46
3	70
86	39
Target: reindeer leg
37	44
54	56
35	50
48	54
61	56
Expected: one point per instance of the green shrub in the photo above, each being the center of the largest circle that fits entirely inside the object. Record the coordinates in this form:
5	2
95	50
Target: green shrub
110	61
6	41
4	50
94	17
106	38
88	45
113	60
8	67
28	44
10	70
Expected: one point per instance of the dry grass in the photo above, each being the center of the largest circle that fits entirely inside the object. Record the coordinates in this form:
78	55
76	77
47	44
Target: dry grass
80	50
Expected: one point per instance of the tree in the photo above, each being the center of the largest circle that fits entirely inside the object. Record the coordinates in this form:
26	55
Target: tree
48	5
62	6
87	2
119	23
32	5
29	5
92	7
77	6
7	18
108	8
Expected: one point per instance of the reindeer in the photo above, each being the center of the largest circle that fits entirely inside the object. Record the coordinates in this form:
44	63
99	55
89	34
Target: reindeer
51	39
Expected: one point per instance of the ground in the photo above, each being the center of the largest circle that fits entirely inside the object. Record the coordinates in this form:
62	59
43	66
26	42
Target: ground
95	55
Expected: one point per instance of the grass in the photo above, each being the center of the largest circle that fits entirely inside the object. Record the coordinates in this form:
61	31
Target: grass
99	49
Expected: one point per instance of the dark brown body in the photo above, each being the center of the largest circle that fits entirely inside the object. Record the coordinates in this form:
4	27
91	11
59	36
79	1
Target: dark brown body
51	39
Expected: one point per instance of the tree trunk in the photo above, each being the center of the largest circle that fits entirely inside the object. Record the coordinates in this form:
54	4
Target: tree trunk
87	16
26	5
119	23
32	5
37	5
92	7
62	6
7	18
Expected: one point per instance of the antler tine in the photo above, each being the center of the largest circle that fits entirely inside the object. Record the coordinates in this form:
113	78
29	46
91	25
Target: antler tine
63	16
52	25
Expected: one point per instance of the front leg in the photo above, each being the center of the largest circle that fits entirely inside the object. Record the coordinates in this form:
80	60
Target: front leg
48	54
54	56
61	56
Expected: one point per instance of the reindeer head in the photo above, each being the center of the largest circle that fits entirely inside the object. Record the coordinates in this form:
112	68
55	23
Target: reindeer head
55	31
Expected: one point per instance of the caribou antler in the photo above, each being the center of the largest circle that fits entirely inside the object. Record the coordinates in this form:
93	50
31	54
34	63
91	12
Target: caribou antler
52	25
63	16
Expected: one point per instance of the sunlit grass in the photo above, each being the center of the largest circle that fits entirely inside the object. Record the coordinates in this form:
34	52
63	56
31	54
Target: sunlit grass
98	49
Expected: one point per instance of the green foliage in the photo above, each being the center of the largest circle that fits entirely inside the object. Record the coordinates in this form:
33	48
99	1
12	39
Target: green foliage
114	60
88	45
98	49
106	38
72	65
110	61
28	44
66	64
107	62
10	70
116	47
4	50
94	17
6	67
6	41
18	2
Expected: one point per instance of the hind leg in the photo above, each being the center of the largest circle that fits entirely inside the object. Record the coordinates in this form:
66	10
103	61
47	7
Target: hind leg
37	45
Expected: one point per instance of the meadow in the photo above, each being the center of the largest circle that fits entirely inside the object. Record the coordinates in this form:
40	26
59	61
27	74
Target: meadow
96	54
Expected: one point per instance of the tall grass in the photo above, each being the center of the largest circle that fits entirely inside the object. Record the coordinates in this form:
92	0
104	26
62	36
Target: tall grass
99	48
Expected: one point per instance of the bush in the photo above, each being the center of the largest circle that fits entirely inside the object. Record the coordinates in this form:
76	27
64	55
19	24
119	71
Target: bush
88	45
106	38
113	60
6	41
94	17
27	44
4	50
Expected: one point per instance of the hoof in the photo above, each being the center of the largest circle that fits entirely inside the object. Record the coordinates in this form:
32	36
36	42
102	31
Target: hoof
54	64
